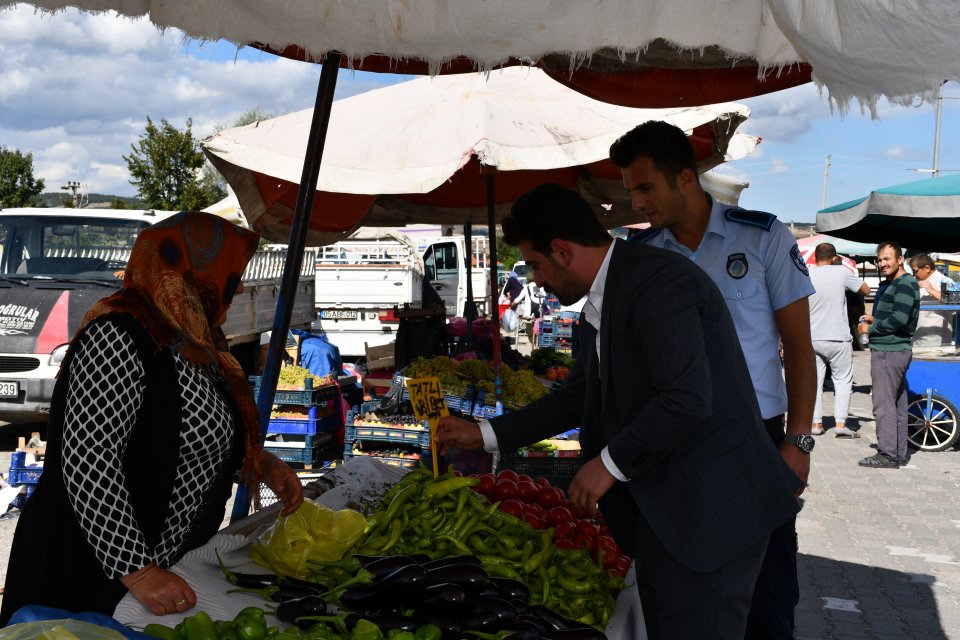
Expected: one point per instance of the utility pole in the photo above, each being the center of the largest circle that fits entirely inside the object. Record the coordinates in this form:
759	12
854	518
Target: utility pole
936	133
73	187
826	174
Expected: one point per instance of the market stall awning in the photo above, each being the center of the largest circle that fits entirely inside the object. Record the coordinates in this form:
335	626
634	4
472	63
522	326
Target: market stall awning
651	53
419	152
924	215
843	246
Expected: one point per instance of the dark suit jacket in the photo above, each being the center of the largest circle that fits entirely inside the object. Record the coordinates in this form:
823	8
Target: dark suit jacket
672	399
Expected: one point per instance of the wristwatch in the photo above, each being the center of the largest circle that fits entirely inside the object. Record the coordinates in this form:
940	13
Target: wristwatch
804	442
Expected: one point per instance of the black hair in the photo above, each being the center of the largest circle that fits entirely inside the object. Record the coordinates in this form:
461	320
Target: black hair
549	212
897	249
824	252
665	144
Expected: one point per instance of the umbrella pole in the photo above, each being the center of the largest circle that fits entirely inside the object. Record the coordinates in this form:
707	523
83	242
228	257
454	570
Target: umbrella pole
495	307
294	258
470	309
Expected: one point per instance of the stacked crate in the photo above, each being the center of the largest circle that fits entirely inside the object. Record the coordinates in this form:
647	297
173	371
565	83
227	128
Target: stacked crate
399	441
304	441
563	334
25	474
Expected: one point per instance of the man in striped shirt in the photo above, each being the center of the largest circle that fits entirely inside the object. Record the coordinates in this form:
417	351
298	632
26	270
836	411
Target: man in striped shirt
891	329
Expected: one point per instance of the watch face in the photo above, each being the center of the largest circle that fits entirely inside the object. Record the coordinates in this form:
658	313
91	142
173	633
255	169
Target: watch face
806	443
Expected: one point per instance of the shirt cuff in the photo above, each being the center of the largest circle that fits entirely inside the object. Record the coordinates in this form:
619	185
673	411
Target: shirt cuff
609	464
489	436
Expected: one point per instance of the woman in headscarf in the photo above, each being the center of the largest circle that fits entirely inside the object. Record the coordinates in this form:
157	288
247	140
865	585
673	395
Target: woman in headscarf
152	421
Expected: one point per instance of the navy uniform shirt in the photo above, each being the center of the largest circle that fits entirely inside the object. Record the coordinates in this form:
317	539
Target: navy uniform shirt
756	263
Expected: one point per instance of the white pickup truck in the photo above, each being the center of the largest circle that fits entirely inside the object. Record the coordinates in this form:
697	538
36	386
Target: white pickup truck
363	279
55	263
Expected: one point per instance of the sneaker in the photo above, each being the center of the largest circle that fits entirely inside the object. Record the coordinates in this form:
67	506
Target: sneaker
879	461
817	431
846	433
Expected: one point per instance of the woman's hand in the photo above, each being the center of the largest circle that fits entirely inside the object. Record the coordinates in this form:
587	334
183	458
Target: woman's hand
282	480
160	590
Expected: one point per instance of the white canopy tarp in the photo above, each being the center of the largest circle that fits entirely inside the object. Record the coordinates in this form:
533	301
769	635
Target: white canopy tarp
858	49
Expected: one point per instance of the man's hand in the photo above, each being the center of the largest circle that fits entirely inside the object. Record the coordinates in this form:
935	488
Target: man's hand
457	432
798	461
589	485
159	590
283	481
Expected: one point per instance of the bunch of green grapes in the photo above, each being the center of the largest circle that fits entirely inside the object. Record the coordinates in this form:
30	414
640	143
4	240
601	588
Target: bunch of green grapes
476	370
292	378
522	388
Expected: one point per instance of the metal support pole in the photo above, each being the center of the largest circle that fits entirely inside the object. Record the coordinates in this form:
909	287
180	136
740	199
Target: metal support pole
936	133
294	259
826	174
469	309
494	290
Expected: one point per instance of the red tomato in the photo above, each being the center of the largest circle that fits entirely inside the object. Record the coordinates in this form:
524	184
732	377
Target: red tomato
487	484
607	541
534	521
508	474
621	566
573	509
505	489
549	497
522	476
564	543
542	482
513	507
583	542
607	554
558	515
588	528
528	490
534	508
564	530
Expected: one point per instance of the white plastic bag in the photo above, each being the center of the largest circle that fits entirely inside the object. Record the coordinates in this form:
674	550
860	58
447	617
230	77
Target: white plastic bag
509	321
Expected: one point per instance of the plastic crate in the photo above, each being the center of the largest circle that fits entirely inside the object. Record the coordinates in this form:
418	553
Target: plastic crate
558	471
305	427
306	452
545	340
563	329
307	397
388	434
393	461
20	472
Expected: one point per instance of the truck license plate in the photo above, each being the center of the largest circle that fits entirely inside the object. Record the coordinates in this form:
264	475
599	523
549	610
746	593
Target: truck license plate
9	389
338	314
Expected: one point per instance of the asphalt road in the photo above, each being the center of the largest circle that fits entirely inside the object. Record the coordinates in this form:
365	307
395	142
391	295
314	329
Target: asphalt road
879	549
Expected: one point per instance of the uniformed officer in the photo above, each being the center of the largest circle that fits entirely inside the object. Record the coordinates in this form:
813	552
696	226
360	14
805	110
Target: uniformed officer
756	263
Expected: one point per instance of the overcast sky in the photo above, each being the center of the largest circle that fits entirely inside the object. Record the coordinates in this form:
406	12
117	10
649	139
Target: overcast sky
75	91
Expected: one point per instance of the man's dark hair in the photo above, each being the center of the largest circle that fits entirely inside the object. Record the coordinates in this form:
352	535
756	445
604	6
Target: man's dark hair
825	252
897	249
922	260
549	212
666	145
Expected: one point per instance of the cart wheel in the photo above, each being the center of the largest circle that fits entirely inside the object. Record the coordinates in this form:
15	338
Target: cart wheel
932	425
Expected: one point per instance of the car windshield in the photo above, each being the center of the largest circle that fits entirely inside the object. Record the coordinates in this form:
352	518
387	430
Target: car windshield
65	247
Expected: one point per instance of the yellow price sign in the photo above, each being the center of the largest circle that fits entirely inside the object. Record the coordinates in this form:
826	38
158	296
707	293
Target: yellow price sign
426	398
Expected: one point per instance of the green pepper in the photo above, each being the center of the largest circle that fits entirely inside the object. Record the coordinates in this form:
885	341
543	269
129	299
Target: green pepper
366	630
501	571
574	586
456	543
161	632
428	632
448	486
199	627
396	528
400	634
462	499
250	624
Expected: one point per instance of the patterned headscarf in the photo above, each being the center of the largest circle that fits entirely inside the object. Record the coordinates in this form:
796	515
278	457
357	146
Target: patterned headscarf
181	277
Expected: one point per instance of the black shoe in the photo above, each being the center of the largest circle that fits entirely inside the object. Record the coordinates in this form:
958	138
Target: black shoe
879	461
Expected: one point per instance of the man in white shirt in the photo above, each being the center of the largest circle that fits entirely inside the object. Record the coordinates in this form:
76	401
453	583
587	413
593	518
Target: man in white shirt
934	328
676	454
830	334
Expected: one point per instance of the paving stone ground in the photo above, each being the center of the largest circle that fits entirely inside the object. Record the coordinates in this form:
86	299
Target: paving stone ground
879	549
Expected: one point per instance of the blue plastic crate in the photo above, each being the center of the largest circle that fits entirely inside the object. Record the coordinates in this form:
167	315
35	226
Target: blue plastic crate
393	461
305	427
21	498
24	475
306	455
387	434
305	398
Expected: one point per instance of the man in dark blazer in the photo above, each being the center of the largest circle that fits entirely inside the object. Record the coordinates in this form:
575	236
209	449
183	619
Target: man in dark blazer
677	458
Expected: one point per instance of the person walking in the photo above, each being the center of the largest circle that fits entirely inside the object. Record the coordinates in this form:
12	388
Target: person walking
677	458
830	335
755	261
891	329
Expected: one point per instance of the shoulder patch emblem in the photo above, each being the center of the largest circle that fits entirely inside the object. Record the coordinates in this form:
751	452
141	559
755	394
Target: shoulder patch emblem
737	265
760	219
798	261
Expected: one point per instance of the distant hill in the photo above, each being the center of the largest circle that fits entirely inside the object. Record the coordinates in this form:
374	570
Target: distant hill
95	200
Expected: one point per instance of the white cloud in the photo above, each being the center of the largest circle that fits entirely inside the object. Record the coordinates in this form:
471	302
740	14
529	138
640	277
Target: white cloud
778	166
76	89
896	151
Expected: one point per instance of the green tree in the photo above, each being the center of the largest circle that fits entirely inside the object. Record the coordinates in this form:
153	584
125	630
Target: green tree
18	187
165	165
507	254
